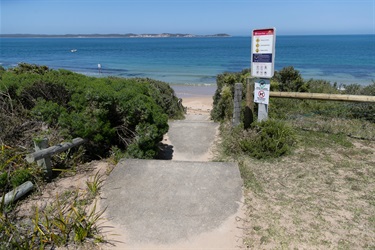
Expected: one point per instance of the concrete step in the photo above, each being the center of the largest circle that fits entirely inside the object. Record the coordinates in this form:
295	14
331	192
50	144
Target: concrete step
161	202
191	139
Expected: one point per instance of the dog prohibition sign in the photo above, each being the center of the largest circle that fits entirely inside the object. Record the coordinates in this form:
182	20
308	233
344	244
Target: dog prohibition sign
261	94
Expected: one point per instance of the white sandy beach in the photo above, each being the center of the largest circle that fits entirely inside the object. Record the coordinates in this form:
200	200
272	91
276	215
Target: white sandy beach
197	99
199	105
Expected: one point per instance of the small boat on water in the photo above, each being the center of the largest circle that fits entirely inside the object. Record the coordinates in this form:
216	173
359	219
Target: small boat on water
73	50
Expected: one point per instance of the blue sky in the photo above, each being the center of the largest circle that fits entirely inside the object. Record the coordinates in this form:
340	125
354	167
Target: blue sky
235	17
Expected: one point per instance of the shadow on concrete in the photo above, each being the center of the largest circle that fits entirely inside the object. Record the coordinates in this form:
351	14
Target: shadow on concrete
165	152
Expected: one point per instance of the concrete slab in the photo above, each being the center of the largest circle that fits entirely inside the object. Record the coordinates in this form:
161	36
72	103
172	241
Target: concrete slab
167	202
192	138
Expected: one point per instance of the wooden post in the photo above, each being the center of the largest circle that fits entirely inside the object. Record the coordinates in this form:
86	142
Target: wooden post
237	104
249	109
45	162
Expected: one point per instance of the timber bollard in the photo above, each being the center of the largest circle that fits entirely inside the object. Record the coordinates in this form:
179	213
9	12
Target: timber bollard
249	109
45	162
237	104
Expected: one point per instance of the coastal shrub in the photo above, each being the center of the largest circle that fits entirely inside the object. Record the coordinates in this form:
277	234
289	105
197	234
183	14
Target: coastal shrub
129	113
289	79
165	97
47	111
29	68
369	90
352	89
320	86
364	111
268	139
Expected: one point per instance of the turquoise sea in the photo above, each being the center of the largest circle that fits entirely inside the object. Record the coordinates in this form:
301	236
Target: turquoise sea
196	61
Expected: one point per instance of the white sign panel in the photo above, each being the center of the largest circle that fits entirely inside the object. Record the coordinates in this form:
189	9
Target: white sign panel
262	92
263	52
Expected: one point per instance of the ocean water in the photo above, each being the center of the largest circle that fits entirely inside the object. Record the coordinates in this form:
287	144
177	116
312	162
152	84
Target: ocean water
196	61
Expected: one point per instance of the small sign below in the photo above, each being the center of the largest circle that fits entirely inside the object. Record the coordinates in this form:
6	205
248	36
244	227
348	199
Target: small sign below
263	52
262	91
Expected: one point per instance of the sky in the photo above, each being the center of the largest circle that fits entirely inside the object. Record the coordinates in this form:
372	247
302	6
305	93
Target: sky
234	17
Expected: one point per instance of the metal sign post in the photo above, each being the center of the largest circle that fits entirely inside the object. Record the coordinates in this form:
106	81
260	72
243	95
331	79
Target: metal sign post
263	67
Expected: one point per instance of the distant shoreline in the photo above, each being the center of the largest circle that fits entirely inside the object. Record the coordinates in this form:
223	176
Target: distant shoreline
129	35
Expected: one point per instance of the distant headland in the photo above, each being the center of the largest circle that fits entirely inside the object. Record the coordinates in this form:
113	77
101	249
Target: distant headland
128	35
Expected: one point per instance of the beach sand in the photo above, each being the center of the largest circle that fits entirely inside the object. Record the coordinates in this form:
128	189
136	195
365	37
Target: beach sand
201	105
198	100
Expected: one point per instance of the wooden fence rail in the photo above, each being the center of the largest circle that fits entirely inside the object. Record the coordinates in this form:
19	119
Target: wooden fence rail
325	97
249	109
17	193
43	154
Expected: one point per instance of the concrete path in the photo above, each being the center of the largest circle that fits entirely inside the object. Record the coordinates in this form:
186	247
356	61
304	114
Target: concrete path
161	204
192	139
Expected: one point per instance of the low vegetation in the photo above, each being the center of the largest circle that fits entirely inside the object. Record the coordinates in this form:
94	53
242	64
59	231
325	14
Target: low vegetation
119	117
309	170
129	113
114	114
69	219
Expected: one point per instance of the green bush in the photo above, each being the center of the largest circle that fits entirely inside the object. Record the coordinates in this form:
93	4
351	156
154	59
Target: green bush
128	113
289	79
29	68
269	139
165	97
360	110
48	111
320	86
369	90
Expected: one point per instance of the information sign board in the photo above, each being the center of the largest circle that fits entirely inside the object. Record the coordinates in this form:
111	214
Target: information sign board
262	91
263	52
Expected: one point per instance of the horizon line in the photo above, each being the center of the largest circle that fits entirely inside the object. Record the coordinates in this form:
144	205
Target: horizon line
167	33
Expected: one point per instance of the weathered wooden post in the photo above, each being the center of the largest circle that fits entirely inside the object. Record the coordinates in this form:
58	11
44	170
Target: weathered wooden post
249	109
44	163
237	104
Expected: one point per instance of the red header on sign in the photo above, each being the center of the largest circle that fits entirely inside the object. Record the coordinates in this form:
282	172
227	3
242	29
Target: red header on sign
263	32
